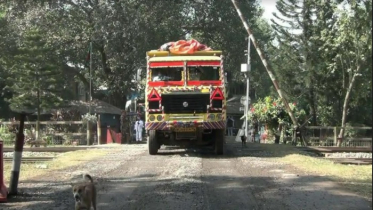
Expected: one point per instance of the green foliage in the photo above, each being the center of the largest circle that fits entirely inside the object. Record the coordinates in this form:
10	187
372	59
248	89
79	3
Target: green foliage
36	82
89	118
272	112
316	58
6	135
317	49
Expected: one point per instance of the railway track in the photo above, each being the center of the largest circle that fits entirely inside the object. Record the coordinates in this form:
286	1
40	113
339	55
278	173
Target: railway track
351	161
336	149
30	159
49	149
325	153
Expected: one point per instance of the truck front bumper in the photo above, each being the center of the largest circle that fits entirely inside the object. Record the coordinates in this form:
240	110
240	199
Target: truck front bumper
170	125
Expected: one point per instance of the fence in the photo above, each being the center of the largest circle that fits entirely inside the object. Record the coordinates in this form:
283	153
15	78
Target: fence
53	132
327	136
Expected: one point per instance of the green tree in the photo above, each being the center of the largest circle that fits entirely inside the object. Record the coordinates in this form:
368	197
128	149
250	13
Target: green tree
216	24
7	51
300	65
121	32
352	58
36	81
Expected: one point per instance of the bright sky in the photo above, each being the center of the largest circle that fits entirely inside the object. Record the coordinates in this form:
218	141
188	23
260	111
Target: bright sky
269	7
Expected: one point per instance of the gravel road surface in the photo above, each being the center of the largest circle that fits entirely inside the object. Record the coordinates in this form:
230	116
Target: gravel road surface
129	178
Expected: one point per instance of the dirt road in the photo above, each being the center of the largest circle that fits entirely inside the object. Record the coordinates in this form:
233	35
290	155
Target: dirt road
129	178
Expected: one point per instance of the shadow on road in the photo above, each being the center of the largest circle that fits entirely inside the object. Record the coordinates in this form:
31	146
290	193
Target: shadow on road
234	150
209	192
251	188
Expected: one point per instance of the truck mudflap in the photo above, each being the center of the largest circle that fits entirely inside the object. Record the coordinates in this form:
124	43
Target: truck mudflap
170	125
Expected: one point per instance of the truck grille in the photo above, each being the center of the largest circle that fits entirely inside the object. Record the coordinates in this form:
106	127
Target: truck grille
196	102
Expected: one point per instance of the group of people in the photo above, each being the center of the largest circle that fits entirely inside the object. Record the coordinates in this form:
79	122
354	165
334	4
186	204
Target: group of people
139	126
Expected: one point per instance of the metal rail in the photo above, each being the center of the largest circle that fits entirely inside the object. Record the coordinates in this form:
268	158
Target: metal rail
30	159
50	149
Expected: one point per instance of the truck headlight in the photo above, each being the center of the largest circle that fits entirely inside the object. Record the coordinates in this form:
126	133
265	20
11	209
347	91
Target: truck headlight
151	117
219	116
159	117
211	117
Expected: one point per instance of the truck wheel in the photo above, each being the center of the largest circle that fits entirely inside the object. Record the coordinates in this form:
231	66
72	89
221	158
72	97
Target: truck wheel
219	141
152	142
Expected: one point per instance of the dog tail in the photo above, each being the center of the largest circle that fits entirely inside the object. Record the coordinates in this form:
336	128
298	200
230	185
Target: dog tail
87	177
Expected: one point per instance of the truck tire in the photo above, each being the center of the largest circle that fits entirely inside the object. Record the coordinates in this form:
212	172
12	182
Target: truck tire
153	143
219	141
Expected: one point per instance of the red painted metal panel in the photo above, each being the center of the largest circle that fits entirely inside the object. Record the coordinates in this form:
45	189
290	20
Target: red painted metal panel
3	189
165	83
166	64
203	63
113	137
197	83
109	138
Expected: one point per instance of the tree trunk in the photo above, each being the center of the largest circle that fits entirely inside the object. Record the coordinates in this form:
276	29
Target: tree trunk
345	107
313	107
37	129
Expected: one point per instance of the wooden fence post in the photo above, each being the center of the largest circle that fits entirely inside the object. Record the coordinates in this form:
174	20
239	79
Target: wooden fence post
335	136
98	130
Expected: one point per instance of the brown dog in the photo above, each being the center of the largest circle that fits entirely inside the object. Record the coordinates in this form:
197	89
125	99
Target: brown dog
36	143
85	194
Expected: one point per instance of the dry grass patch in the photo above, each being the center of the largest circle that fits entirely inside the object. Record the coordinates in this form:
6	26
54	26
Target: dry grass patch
65	160
357	178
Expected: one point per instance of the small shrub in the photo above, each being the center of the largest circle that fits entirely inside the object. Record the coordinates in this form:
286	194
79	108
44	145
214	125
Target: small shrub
6	135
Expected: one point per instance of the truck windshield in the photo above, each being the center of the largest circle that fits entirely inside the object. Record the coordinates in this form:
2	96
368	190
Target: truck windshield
205	73
167	74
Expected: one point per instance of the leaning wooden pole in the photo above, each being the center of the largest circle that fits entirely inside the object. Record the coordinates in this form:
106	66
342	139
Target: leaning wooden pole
267	67
17	157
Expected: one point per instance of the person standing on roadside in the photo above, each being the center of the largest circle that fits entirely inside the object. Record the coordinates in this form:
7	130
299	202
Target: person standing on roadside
139	125
230	125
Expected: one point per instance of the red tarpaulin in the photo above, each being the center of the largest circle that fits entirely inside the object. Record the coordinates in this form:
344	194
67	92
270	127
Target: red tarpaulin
184	47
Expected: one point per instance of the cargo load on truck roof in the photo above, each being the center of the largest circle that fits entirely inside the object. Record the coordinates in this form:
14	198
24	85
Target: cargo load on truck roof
183	47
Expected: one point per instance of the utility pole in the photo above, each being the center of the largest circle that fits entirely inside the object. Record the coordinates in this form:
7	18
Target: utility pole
89	132
247	85
268	68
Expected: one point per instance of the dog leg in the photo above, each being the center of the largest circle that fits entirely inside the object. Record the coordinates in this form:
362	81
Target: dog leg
94	198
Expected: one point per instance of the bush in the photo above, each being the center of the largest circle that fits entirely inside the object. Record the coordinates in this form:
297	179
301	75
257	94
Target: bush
7	136
272	112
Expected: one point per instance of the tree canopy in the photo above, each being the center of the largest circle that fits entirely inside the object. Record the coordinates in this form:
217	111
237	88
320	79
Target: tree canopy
316	48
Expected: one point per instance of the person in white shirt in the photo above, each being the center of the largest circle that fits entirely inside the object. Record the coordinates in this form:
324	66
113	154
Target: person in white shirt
139	125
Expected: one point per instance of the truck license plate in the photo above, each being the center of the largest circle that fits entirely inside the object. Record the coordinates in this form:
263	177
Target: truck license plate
185	129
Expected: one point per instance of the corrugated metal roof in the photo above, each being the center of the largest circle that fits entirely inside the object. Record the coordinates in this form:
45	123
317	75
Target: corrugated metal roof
98	106
184	58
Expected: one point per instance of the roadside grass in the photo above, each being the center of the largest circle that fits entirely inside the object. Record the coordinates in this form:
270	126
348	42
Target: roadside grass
65	160
357	178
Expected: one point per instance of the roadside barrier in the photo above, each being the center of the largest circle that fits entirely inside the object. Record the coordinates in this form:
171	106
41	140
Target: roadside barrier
3	189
